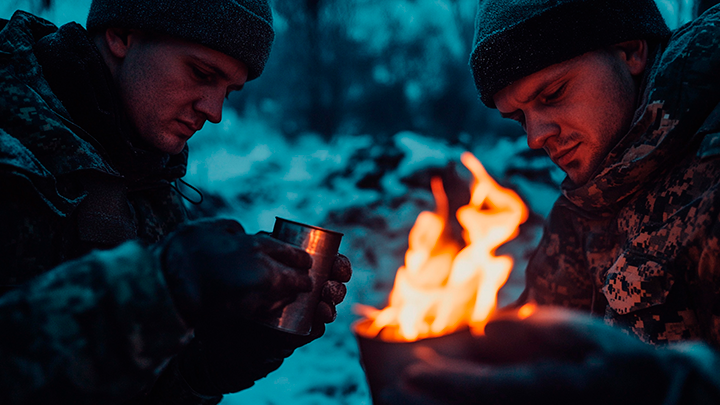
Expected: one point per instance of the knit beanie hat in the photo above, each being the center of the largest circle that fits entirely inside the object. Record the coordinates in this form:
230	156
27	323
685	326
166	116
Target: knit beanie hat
516	38
241	29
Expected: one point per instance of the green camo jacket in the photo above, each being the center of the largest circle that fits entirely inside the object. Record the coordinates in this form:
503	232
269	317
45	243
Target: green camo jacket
77	327
640	243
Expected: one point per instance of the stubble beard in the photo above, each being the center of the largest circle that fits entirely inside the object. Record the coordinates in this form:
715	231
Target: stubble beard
615	126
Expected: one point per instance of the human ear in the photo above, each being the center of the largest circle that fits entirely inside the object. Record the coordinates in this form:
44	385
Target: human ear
634	54
118	41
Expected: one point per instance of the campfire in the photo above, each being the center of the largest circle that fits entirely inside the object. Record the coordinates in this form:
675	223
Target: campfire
443	286
445	289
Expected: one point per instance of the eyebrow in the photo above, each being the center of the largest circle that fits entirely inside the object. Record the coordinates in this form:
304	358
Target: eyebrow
216	70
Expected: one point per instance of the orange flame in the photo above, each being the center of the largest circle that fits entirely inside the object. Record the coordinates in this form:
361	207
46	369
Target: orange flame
444	287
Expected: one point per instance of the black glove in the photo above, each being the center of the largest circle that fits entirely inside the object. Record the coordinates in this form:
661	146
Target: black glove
215	271
229	353
558	357
225	358
229	357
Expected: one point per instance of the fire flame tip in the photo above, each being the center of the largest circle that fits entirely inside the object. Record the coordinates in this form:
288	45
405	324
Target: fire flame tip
442	287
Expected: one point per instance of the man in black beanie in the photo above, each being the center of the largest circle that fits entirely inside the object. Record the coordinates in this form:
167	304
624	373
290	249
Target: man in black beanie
107	293
631	113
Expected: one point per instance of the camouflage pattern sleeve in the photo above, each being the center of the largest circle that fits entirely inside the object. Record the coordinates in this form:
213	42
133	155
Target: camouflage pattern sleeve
94	330
557	273
705	283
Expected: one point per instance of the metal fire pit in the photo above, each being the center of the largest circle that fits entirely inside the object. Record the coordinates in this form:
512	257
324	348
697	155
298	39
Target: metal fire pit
384	362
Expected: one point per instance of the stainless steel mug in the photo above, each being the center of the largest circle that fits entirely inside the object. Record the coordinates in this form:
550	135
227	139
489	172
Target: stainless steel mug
322	245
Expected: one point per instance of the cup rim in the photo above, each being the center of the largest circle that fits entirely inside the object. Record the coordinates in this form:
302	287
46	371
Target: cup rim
308	226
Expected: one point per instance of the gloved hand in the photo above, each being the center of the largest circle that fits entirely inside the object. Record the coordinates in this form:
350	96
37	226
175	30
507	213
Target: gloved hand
229	353
218	273
229	357
555	356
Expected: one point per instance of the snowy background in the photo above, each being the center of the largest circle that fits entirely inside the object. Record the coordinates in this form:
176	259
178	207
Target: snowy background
362	102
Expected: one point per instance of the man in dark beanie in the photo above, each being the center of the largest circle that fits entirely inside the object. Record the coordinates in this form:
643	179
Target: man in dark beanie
631	113
108	294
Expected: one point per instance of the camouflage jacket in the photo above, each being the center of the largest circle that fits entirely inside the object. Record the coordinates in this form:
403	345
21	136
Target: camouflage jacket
79	327
640	243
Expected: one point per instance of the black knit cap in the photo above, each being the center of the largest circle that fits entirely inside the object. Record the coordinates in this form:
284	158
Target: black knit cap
241	29
516	38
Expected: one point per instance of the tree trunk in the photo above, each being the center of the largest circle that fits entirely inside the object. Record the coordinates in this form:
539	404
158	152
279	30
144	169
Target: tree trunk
317	116
702	5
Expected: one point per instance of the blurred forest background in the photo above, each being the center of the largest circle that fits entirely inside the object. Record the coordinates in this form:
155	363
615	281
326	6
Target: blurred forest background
366	66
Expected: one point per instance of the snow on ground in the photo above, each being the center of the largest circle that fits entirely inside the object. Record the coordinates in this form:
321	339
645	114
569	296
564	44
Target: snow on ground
372	192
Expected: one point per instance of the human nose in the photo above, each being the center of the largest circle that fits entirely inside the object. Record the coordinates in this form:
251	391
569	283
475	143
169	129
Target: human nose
210	106
539	129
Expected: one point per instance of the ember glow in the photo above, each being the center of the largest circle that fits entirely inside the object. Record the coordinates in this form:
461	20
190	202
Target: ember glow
444	287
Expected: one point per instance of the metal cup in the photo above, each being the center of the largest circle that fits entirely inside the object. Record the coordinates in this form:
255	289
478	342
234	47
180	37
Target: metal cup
322	245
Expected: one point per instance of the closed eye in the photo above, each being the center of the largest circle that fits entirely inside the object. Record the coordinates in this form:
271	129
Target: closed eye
555	95
201	75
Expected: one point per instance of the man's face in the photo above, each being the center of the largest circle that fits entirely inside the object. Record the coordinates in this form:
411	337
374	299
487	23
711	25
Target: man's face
576	110
170	87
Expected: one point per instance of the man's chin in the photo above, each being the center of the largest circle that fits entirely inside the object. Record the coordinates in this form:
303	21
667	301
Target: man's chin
579	179
576	175
172	145
177	149
167	141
